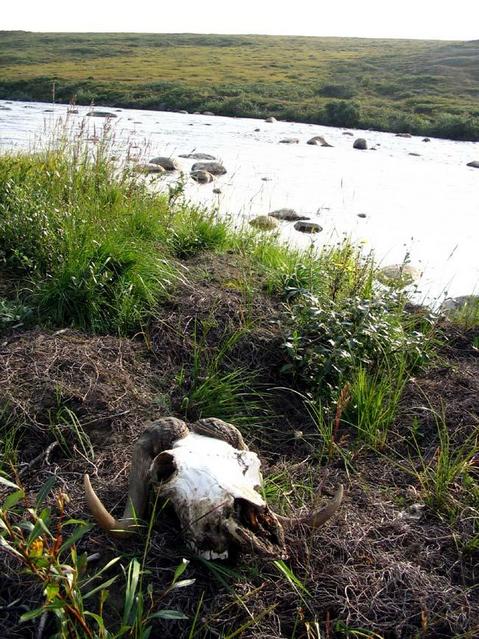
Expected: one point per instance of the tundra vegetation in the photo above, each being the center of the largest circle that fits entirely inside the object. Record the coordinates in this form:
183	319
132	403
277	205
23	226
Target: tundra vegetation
422	87
120	305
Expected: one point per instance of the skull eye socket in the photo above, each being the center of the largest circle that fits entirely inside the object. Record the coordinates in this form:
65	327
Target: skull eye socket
246	513
162	467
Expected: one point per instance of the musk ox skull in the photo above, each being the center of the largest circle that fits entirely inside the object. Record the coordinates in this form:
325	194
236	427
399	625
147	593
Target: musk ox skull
212	480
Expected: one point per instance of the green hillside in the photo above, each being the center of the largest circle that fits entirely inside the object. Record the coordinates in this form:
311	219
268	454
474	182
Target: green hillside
419	86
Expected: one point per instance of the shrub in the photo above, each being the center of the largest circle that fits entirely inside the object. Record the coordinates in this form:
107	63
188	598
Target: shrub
342	113
342	91
329	341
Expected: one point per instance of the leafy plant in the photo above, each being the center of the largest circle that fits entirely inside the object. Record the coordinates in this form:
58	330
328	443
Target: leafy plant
43	541
329	341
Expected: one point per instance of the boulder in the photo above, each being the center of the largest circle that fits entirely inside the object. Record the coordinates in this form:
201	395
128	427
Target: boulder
203	177
289	141
403	135
289	215
169	164
426	139
198	156
208	113
271	120
216	191
398	274
101	114
257	130
474	164
264	223
362	215
215	168
360	144
308	227
318	140
149	168
416	155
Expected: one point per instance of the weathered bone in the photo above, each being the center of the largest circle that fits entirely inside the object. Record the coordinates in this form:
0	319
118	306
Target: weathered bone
212	480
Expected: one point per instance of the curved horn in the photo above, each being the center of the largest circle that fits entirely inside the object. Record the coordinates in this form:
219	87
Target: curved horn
316	518
159	436
218	429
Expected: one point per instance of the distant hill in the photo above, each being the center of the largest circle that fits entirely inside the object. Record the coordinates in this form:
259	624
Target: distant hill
418	86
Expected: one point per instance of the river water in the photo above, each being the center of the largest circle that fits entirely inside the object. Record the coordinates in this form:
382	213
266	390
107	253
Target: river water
424	208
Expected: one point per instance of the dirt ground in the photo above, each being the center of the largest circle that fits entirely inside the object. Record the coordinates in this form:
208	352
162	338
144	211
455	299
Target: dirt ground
381	565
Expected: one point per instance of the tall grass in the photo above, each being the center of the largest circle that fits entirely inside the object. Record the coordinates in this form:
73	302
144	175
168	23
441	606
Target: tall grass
92	245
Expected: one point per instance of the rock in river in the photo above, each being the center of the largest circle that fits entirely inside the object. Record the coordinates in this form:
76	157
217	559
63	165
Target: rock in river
102	114
271	120
474	164
360	144
215	168
169	164
197	156
289	215
264	223
289	141
469	302
308	227
202	177
149	168
318	140
398	274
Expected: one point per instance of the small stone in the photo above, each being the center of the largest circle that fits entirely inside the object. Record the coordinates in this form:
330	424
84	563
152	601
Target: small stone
360	144
289	215
461	302
169	164
197	156
264	223
101	114
202	177
308	227
149	168
318	140
217	191
362	215
215	168
398	274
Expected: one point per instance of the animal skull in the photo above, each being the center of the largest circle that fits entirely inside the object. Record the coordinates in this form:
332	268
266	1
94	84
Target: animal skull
212	480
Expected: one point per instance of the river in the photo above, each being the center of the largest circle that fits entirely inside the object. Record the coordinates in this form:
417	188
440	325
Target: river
424	207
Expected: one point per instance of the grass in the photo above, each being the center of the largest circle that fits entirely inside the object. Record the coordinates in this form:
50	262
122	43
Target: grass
424	87
447	477
306	351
